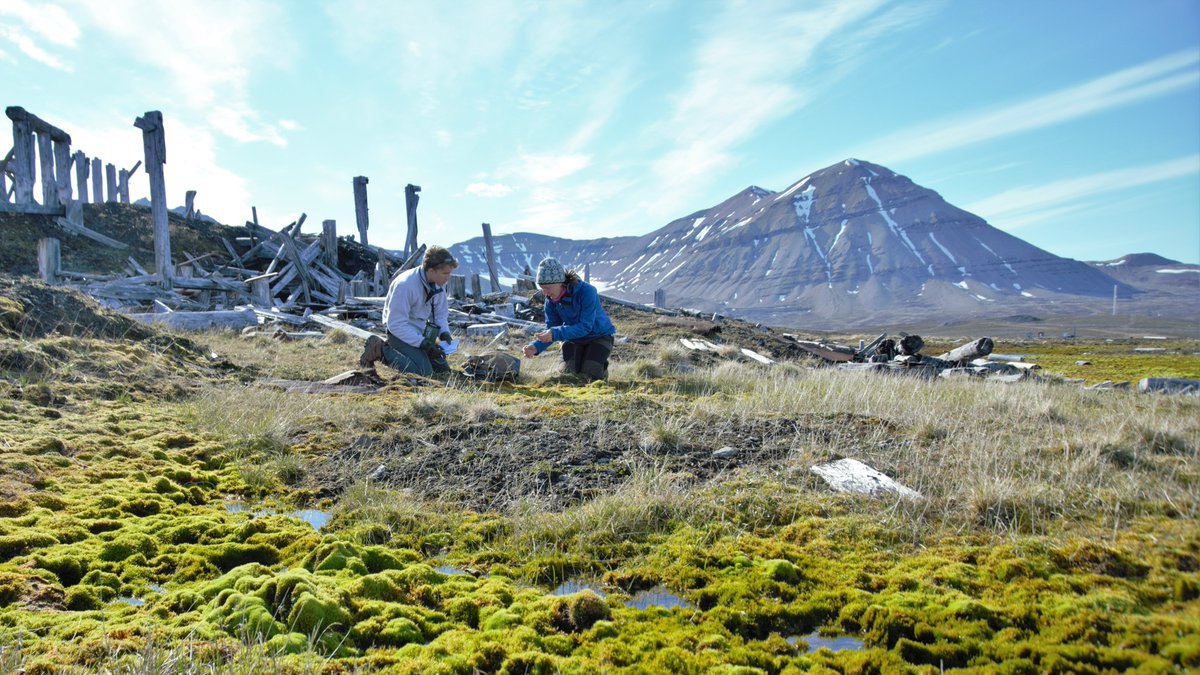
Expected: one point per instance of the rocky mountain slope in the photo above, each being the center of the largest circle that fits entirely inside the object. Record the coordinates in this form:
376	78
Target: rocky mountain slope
852	244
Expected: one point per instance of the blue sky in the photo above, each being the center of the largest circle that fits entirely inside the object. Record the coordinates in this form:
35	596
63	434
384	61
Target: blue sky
1072	124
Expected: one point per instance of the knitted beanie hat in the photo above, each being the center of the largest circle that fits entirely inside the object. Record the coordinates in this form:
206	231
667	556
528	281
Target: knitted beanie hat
550	271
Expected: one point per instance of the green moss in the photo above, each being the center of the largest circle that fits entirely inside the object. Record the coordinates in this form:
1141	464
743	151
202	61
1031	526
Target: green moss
128	545
578	612
14	545
401	631
82	599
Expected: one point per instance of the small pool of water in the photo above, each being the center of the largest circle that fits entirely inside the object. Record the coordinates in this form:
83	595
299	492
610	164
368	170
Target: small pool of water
841	643
577	585
451	570
135	602
659	596
315	517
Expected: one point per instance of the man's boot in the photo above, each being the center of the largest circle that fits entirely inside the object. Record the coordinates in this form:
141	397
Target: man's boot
372	352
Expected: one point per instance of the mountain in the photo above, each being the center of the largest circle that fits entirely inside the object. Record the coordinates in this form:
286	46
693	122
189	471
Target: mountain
1151	272
852	244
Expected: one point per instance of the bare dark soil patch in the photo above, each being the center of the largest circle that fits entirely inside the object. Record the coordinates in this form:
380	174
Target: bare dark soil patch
557	462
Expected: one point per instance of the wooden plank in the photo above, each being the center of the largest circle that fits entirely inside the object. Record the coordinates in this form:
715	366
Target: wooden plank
62	173
411	198
330	322
239	318
76	228
82	169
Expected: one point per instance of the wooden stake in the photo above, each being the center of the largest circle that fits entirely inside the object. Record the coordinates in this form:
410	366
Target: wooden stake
360	207
410	206
97	181
329	242
46	166
49	259
82	169
23	156
491	257
155	145
110	172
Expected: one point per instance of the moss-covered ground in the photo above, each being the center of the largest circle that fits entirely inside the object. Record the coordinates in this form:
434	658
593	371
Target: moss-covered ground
150	491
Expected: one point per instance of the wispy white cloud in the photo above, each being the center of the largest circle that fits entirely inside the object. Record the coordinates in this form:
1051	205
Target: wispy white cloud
45	21
207	52
1030	204
550	168
488	189
747	75
30	48
1169	74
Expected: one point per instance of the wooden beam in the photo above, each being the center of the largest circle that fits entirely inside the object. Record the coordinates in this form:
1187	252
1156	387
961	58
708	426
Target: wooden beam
330	322
154	143
360	207
49	260
46	166
239	318
410	207
97	181
110	172
76	228
82	169
62	173
329	242
35	124
491	257
23	162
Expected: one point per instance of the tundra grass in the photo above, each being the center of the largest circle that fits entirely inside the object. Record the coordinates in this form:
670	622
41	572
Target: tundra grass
1056	531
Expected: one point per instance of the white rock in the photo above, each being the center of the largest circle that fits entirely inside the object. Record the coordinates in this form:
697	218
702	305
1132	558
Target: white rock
725	453
851	475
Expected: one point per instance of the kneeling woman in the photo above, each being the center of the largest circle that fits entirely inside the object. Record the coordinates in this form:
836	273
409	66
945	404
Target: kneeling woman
575	318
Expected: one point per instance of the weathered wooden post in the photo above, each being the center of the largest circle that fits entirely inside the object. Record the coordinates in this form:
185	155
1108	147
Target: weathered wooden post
260	291
123	186
155	144
660	298
97	181
82	170
4	185
491	257
587	273
457	288
62	174
49	259
360	207
329	243
476	291
110	172
381	274
410	206
46	166
189	202
23	155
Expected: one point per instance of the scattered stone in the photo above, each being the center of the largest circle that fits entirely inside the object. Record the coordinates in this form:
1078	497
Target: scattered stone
726	452
851	475
1083	363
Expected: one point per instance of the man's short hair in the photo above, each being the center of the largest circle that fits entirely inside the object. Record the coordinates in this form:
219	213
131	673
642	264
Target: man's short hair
436	256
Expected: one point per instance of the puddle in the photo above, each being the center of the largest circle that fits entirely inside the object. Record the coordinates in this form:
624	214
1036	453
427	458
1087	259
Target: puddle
314	517
157	589
134	602
573	587
841	643
451	570
659	596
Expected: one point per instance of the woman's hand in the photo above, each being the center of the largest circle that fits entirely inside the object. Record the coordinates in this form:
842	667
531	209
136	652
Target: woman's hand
530	351
545	336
